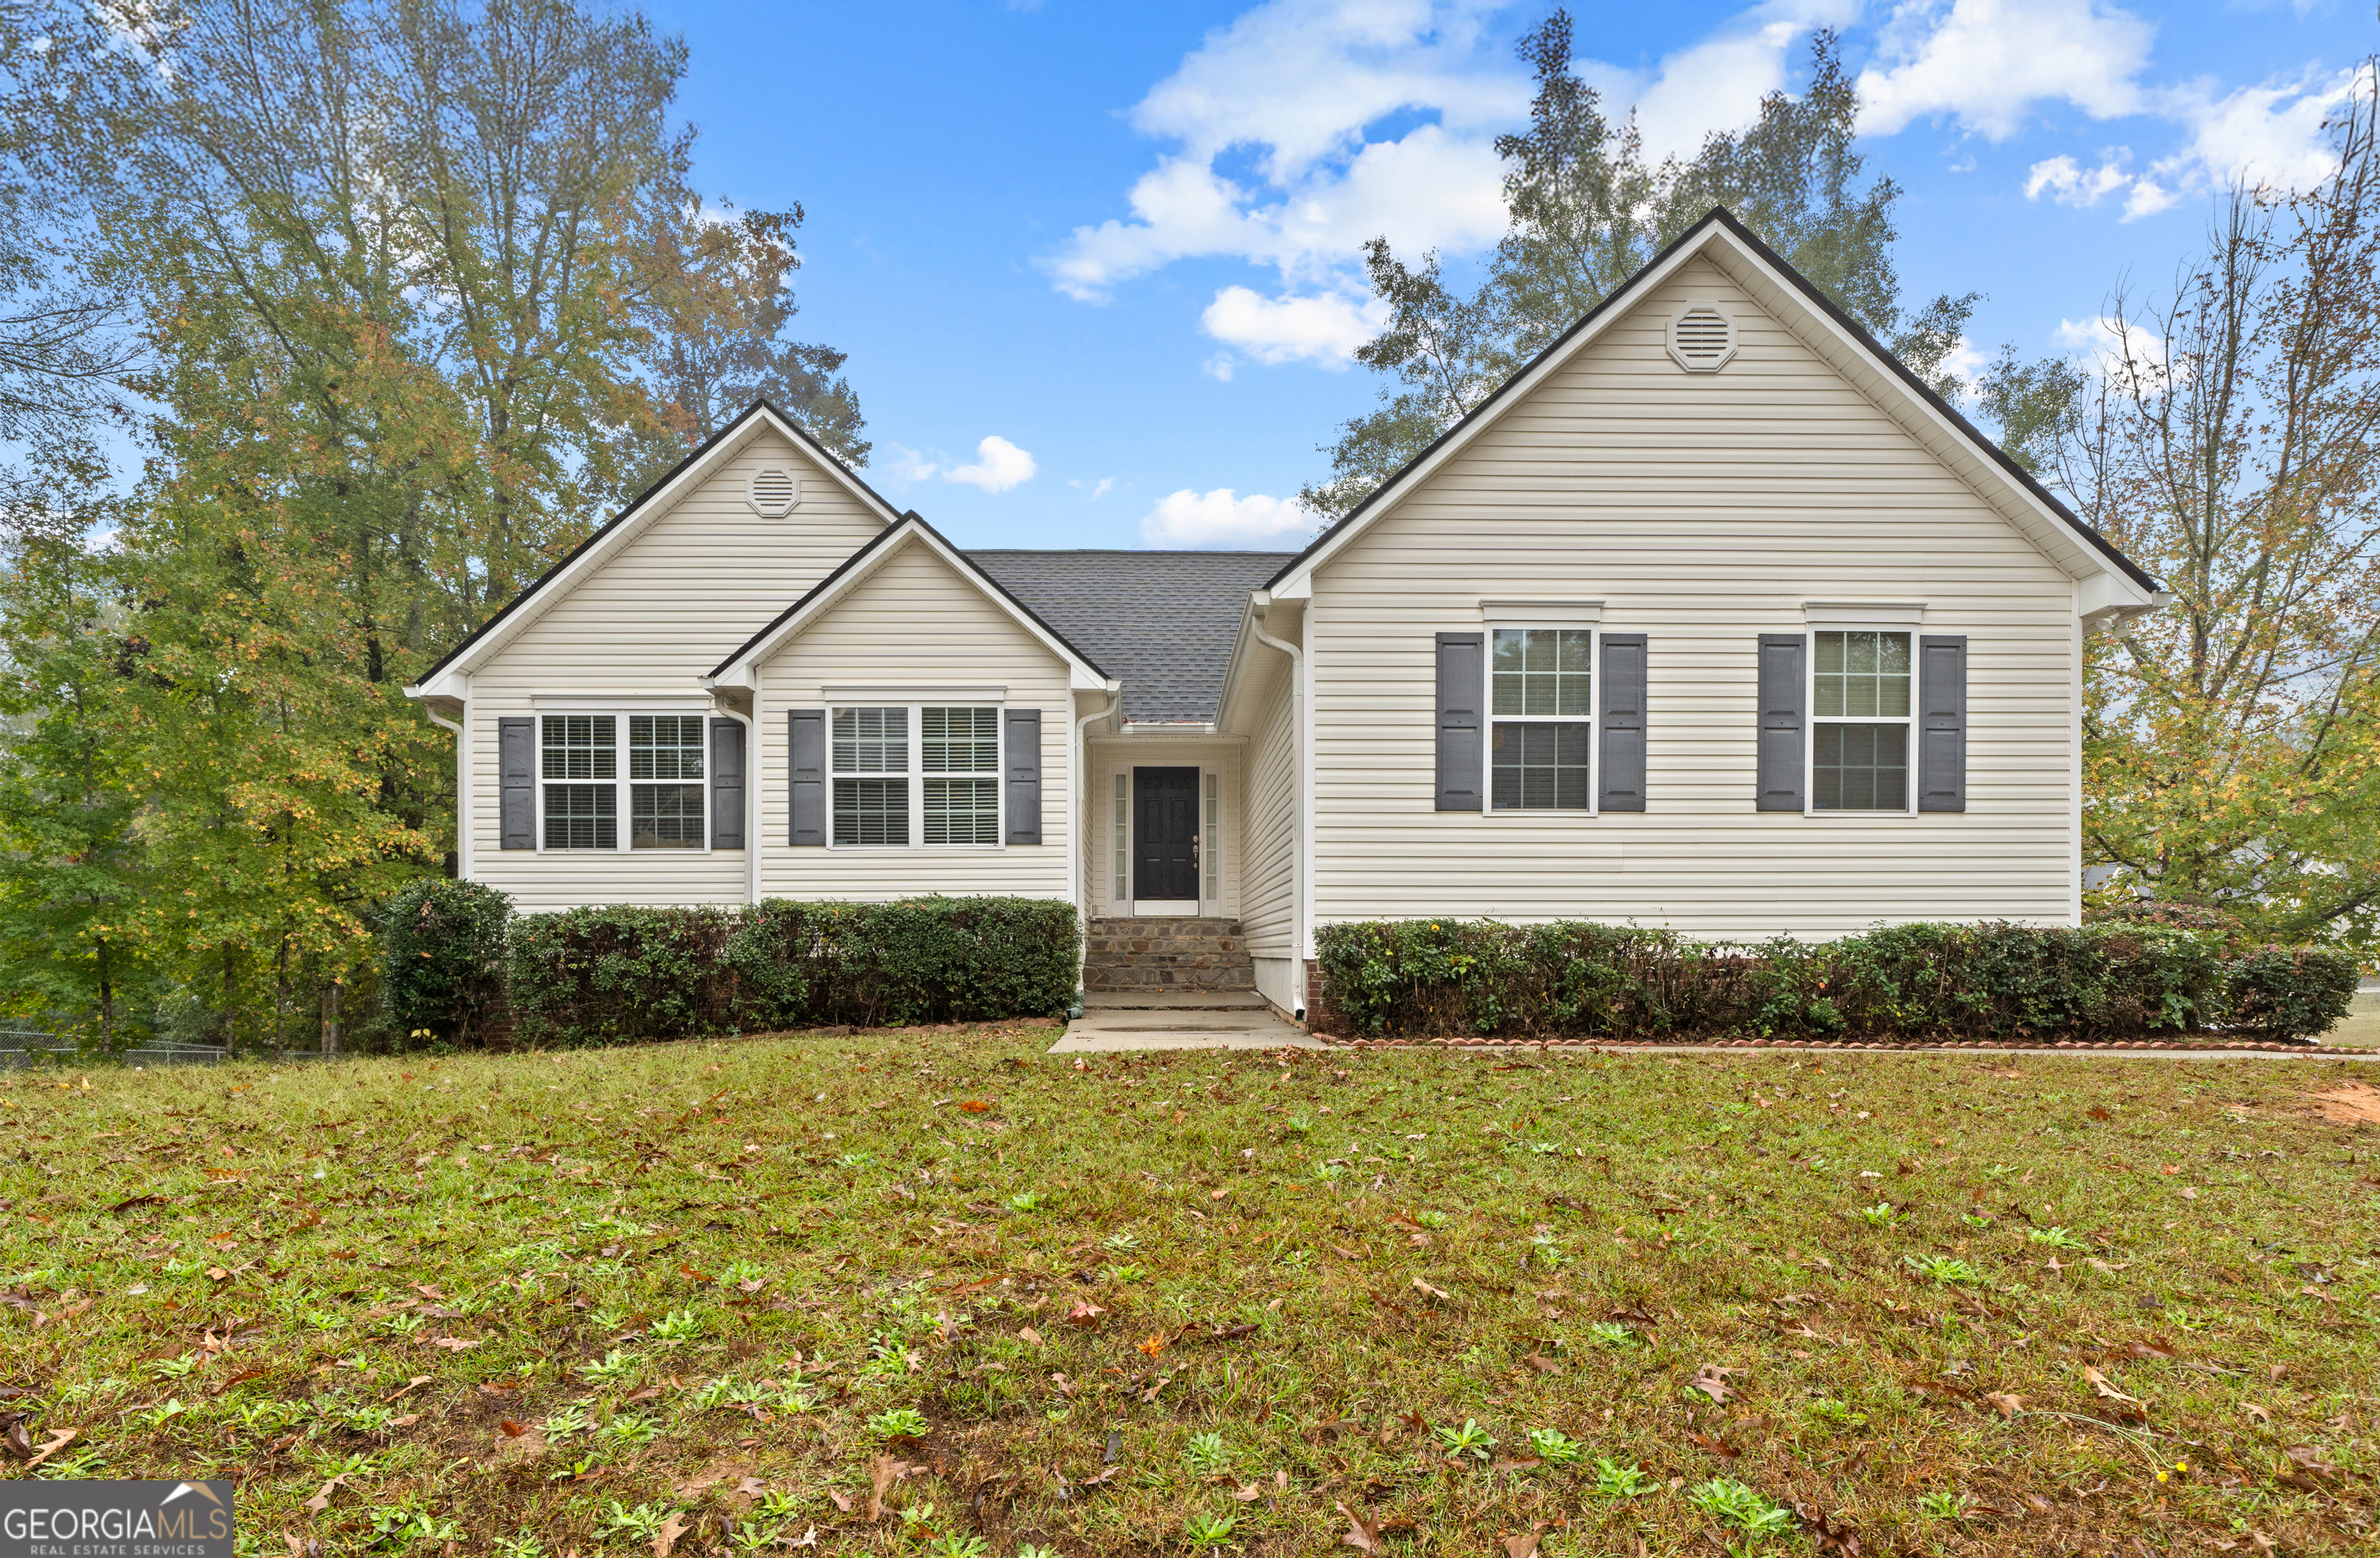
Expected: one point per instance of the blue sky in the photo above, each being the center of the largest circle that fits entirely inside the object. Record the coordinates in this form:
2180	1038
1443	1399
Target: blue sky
1095	262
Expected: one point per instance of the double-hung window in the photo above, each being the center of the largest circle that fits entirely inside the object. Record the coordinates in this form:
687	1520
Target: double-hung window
1860	715
1541	746
578	767
906	775
666	813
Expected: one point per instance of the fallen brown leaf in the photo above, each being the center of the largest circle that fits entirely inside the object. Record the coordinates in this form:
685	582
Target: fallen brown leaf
1085	1314
2010	1405
841	1500
2261	1414
1522	1544
666	1538
52	1443
1428	1292
1362	1535
884	1473
322	1499
1711	1380
2107	1387
1153	1345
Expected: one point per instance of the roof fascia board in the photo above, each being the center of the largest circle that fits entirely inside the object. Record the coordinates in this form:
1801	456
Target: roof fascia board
739	668
589	555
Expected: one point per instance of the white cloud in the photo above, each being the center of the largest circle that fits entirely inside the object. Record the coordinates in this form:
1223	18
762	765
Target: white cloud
1325	329
1194	520
2121	352
2273	135
2069	183
1287	91
1716	84
1987	62
900	465
1000	465
1094	493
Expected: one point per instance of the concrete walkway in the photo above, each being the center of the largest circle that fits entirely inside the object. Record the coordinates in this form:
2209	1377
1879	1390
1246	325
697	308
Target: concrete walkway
1209	1019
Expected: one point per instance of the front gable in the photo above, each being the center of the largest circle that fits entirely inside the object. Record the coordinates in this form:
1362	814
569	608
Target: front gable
1615	397
757	514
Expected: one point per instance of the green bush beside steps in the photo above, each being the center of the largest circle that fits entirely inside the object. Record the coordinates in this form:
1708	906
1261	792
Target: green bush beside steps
2132	977
622	974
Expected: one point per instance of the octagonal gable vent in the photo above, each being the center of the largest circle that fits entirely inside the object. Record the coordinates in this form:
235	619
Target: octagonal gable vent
1702	337
774	492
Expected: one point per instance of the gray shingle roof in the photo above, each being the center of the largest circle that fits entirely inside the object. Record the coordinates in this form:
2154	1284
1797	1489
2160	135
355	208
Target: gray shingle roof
1160	622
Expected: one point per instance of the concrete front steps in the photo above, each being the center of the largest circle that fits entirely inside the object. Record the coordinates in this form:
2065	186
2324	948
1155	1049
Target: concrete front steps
1178	1019
1169	954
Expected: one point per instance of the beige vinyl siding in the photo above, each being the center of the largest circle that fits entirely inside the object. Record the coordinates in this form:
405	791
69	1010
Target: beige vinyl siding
914	620
1267	914
1704	509
1114	756
672	601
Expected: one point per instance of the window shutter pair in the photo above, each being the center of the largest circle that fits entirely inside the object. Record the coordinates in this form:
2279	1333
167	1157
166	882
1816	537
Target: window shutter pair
517	752
1021	749
1462	682
1941	721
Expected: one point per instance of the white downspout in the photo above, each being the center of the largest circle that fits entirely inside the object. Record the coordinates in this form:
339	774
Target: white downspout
462	788
1081	812
1259	604
751	724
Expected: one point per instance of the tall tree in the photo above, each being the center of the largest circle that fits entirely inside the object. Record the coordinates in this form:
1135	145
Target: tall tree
2231	445
425	290
63	338
1587	210
72	876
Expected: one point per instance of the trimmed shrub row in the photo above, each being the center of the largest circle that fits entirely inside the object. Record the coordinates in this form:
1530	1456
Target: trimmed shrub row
1575	979
621	974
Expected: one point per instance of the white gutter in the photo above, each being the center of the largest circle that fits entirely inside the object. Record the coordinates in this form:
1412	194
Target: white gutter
1082	812
1259	603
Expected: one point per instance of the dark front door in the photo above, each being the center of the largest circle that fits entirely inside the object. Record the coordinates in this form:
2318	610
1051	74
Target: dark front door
1165	833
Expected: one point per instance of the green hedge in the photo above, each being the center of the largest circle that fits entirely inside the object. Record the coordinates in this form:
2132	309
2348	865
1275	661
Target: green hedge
611	974
1448	978
442	960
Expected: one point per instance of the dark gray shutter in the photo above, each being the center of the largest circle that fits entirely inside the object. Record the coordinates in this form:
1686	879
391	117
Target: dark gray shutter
517	752
726	784
1462	680
1622	783
1941	723
1022	753
1782	685
806	763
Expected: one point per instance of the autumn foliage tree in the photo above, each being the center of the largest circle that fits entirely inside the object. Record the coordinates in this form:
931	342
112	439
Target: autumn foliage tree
2231	445
425	293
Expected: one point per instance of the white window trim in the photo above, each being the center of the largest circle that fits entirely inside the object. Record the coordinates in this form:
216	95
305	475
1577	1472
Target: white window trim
1487	717
1541	614
1908	722
917	777
623	821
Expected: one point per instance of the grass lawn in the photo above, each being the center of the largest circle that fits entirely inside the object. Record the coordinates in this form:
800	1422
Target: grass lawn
941	1293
